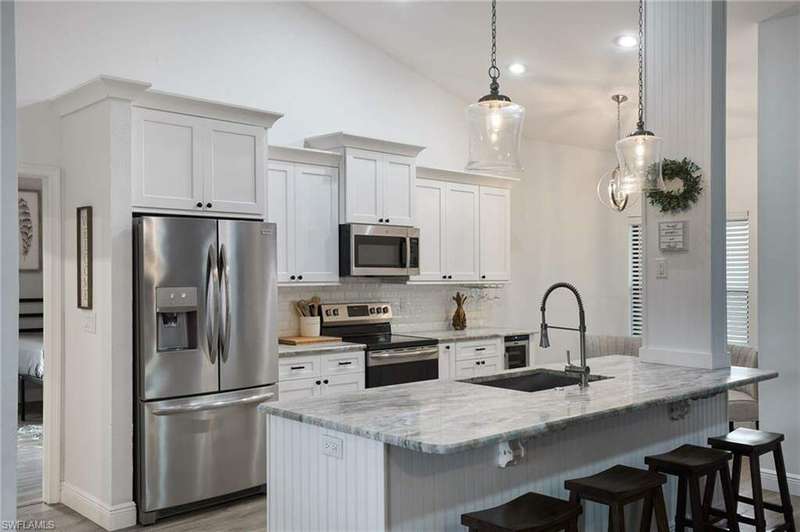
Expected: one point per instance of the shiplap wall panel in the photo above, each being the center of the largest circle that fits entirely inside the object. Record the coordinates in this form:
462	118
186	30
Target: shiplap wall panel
430	492
376	487
309	491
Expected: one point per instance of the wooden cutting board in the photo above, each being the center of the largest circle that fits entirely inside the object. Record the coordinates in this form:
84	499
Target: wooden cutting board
306	340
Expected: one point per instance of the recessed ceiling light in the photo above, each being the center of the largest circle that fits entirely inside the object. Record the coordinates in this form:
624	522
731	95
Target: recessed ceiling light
517	69
626	41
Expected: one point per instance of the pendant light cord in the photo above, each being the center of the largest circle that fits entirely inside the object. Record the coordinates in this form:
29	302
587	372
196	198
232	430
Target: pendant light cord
619	124
640	123
494	72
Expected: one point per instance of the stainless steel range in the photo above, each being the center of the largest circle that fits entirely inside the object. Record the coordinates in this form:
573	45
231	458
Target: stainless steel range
391	358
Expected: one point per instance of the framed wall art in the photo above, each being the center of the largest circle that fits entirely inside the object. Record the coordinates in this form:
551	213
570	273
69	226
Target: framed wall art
29	205
84	215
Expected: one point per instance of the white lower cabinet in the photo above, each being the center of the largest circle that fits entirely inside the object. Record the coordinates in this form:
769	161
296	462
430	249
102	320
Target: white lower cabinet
447	354
312	375
303	201
476	358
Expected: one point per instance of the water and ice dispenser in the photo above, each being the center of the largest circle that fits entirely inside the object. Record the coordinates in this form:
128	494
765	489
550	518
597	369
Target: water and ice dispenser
176	316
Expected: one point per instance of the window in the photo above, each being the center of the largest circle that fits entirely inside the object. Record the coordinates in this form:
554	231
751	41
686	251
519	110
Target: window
738	279
635	278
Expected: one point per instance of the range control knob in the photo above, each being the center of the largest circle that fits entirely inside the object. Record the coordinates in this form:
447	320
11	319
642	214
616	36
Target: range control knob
328	312
336	312
372	310
385	310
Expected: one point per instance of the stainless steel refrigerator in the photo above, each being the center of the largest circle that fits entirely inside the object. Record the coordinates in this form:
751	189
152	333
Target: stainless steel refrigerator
206	355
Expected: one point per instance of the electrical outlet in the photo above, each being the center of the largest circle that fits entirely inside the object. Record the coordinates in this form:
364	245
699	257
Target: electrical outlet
661	269
332	446
90	322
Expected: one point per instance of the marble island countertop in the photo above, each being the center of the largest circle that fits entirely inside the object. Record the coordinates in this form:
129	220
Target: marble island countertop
442	417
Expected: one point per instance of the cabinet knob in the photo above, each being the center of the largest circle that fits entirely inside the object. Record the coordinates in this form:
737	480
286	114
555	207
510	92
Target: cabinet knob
380	220
325	381
208	205
449	276
299	277
199	204
318	383
477	362
387	220
483	277
444	277
292	278
447	347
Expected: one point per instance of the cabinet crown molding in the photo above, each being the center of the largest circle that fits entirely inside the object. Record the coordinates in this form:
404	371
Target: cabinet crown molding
96	90
455	176
140	94
294	154
341	139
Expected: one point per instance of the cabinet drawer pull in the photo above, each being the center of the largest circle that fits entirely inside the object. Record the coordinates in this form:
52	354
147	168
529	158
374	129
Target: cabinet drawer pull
345	363
480	349
298	367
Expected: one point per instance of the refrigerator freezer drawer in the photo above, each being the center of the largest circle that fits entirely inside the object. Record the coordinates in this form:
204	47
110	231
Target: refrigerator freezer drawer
202	447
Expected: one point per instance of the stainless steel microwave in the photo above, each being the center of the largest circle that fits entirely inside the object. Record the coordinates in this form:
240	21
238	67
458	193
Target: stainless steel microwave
378	250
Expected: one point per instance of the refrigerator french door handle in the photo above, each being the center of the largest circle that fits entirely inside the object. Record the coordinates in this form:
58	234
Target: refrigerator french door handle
212	405
212	303
225	314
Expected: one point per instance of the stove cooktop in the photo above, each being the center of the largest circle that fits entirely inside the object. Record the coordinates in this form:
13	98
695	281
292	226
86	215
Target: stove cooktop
375	342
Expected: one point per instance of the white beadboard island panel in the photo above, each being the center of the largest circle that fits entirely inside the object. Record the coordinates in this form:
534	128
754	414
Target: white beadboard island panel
376	487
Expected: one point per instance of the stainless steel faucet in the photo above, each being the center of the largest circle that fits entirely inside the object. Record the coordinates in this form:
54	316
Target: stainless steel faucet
544	339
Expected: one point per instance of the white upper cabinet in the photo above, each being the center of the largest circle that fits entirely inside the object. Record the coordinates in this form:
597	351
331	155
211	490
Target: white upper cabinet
234	171
431	208
398	190
205	165
166	160
304	205
495	234
378	184
462	240
363	197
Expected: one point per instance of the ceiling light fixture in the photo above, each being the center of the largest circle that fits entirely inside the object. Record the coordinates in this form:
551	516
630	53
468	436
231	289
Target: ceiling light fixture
495	124
517	69
639	153
609	188
626	41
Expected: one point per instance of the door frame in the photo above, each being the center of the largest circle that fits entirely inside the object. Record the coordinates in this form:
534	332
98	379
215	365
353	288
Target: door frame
52	279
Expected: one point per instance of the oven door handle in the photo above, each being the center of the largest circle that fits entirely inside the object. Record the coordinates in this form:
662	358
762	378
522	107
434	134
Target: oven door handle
383	355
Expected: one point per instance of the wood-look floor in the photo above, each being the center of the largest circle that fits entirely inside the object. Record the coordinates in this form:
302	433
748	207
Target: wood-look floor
29	461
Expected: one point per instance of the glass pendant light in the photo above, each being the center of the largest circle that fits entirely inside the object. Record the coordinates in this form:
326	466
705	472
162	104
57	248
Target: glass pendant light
495	124
609	188
639	154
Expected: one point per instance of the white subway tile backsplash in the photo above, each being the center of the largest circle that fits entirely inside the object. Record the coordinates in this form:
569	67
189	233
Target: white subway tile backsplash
415	307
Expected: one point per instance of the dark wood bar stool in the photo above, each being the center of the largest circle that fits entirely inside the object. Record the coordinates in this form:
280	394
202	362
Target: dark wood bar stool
752	444
532	512
690	463
621	485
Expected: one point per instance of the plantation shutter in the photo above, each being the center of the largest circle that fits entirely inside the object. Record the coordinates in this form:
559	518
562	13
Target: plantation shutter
636	279
738	280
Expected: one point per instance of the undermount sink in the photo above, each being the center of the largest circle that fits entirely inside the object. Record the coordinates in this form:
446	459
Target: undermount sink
532	381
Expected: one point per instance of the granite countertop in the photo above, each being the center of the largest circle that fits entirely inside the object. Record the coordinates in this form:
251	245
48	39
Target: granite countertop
477	333
285	351
444	417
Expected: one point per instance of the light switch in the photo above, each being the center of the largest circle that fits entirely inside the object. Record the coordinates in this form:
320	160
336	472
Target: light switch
90	322
661	269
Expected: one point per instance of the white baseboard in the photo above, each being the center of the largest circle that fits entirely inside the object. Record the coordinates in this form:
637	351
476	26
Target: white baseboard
676	357
769	480
113	517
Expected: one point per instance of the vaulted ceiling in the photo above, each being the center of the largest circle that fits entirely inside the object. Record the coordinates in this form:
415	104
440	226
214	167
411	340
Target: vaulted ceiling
568	47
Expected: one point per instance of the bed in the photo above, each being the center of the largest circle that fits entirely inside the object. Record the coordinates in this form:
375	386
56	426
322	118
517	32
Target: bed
31	348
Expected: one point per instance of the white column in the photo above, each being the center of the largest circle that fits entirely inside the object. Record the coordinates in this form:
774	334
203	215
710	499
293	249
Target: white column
685	320
9	275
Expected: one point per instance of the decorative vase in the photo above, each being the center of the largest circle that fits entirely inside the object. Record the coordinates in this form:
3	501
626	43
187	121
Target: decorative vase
459	317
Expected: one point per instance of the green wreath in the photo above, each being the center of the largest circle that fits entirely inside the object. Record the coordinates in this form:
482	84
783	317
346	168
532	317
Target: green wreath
679	200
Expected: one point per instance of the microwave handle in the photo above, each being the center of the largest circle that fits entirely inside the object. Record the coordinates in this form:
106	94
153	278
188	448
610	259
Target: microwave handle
405	253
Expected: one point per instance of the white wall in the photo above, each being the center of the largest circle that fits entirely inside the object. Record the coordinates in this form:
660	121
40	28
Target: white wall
8	268
561	232
779	227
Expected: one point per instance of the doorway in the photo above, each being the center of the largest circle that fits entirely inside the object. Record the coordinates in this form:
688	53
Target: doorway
40	340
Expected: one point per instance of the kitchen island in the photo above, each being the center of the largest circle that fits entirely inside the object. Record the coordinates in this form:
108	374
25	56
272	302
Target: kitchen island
416	456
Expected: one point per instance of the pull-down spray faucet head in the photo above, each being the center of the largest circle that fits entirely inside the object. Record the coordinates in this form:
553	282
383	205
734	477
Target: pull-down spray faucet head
544	337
